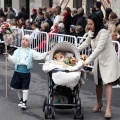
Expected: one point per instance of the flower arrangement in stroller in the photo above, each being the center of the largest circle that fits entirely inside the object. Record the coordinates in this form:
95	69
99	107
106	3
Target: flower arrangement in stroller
63	68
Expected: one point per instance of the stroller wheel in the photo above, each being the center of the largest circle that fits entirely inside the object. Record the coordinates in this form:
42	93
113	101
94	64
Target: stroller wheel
81	115
45	103
53	112
78	102
78	113
46	114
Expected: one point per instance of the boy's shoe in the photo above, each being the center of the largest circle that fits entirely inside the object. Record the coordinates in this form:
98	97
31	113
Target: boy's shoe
24	106
20	104
21	101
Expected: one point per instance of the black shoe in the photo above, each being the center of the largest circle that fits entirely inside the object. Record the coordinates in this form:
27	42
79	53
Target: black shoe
24	106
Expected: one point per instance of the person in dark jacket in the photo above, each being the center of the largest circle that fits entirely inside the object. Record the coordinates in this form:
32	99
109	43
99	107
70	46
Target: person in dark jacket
99	12
2	13
47	19
23	14
10	13
67	18
81	20
34	14
74	16
39	18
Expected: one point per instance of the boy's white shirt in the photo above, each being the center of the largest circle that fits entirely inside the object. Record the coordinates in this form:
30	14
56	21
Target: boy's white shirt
35	56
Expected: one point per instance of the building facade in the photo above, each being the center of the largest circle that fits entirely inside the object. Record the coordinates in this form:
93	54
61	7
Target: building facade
86	4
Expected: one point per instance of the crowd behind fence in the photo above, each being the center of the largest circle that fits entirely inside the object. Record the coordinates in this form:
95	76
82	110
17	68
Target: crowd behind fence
43	42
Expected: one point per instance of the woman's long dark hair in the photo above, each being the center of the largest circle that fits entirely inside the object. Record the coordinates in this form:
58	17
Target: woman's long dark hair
98	23
107	13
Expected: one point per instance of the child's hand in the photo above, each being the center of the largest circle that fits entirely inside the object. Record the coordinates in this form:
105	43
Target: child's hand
6	54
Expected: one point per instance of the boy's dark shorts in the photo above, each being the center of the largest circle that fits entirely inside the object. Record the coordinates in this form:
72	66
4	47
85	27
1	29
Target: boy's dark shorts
20	80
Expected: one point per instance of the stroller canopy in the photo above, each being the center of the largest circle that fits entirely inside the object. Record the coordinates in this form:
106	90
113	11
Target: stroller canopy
64	47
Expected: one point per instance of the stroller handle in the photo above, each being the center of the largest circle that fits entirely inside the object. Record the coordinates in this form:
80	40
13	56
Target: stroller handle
58	69
88	68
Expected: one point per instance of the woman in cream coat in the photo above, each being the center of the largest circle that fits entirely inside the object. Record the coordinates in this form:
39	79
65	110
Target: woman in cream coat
106	64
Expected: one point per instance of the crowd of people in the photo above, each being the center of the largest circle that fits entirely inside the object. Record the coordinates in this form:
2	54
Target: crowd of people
68	21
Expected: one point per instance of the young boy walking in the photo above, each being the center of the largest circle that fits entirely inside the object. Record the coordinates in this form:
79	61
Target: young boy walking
22	58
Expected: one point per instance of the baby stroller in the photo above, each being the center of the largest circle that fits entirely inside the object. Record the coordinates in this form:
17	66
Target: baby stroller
61	96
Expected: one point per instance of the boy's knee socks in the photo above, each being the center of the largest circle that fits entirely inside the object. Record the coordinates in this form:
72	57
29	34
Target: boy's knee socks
25	95
20	94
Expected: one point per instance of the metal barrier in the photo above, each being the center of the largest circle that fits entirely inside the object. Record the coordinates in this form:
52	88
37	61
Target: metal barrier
43	41
17	37
57	38
40	39
117	48
87	51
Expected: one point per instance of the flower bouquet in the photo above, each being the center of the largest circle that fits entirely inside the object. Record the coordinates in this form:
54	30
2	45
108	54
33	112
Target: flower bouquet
5	29
71	61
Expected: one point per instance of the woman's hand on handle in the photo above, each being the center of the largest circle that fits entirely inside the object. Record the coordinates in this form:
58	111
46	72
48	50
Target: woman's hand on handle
85	64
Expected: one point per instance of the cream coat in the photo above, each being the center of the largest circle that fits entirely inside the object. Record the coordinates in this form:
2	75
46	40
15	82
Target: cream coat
103	54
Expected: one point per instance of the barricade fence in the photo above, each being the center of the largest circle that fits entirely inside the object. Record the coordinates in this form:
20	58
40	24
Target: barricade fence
87	51
57	38
17	37
43	42
39	40
117	48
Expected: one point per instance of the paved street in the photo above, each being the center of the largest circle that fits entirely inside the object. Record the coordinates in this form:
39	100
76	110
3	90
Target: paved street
38	90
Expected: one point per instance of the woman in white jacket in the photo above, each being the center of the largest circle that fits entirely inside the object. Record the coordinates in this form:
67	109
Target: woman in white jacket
106	64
